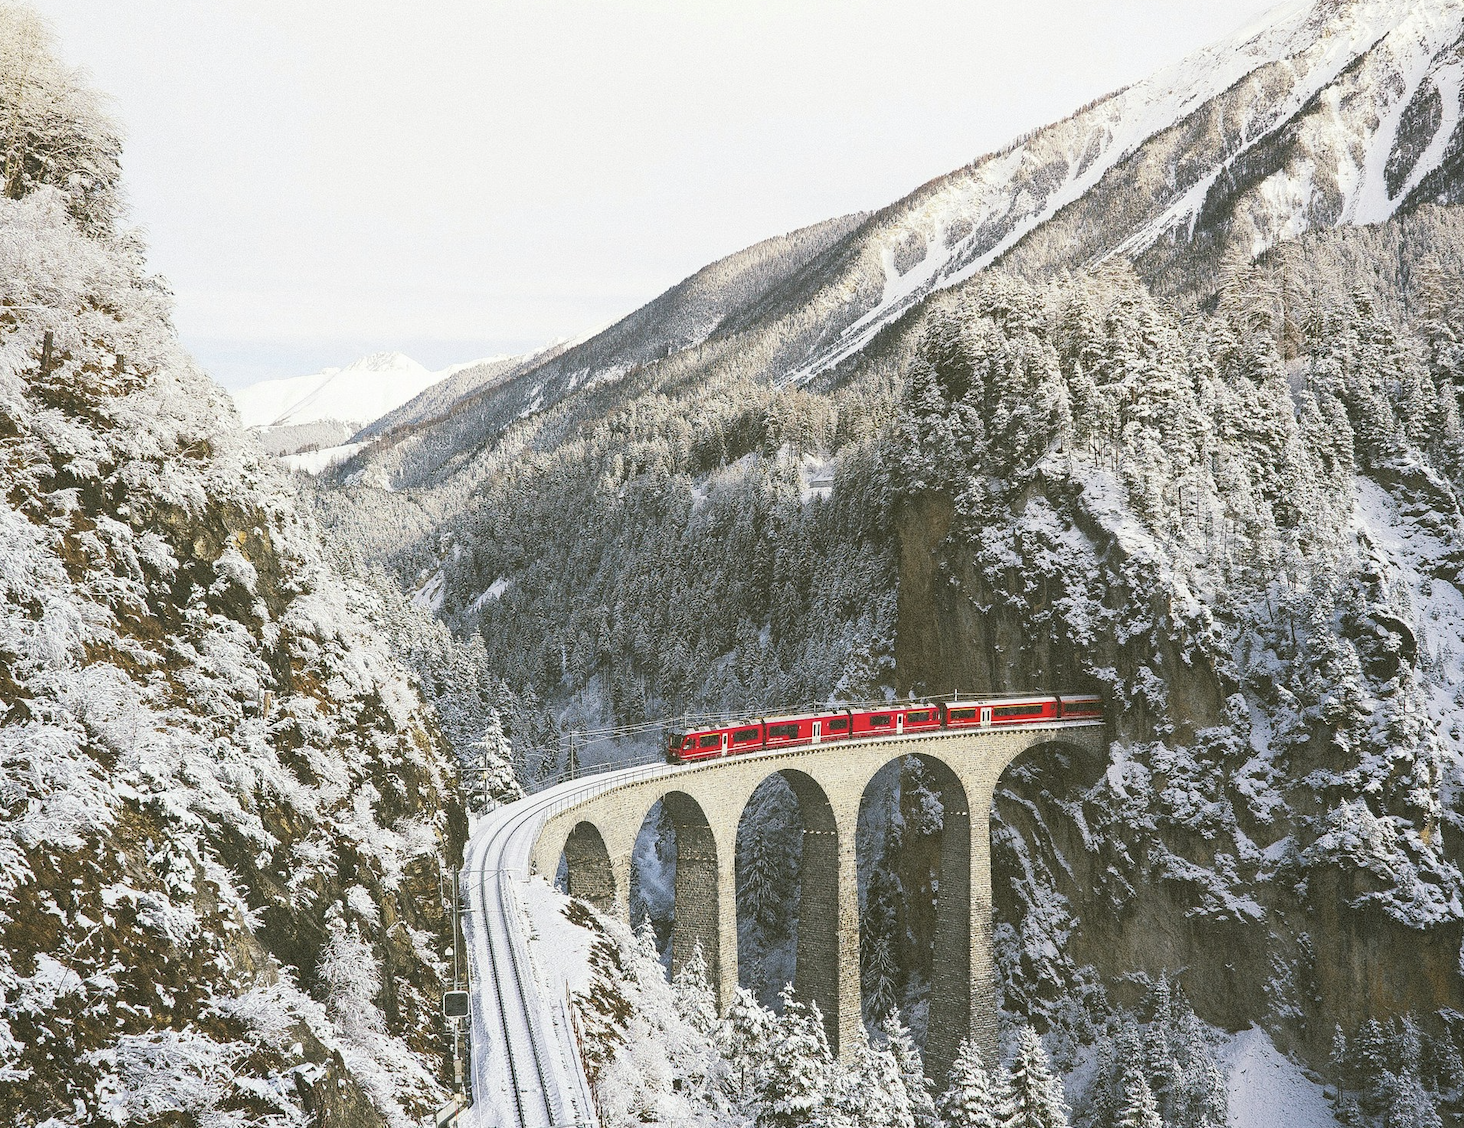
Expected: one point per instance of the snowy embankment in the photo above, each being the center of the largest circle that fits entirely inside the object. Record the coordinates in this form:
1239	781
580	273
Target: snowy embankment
526	1068
1267	1088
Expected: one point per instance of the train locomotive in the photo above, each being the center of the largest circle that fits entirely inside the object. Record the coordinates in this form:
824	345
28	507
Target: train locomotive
863	722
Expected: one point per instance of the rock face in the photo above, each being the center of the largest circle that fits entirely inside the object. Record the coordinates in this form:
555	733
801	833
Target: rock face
226	813
1271	623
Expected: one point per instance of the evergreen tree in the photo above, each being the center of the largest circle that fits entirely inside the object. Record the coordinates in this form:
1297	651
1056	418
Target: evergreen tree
694	994
972	1100
1037	1100
1405	1103
1161	1068
1138	1108
911	1071
793	1080
748	1035
880	972
1207	1099
869	1092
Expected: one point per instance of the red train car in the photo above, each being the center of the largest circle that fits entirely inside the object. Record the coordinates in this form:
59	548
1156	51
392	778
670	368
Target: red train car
870	722
1089	706
896	720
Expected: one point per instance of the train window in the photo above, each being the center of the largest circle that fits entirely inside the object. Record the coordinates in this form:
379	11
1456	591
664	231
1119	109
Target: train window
880	721
837	724
917	718
711	740
962	714
1017	711
782	732
745	736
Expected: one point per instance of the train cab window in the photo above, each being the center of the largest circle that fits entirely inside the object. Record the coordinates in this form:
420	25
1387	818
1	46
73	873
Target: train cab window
837	724
918	718
782	732
881	720
1017	711
745	736
711	740
962	714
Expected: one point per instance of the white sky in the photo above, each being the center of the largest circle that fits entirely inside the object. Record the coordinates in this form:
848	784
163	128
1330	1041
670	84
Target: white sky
454	178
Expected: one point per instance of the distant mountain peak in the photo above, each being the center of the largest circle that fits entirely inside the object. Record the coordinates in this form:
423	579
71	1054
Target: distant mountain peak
345	398
387	361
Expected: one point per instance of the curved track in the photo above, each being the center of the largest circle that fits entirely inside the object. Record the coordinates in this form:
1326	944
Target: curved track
526	1066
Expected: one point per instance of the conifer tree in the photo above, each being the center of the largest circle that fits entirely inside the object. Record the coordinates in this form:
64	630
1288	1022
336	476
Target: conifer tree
1207	1099
1037	1100
868	1091
1137	1109
694	994
747	1041
971	1100
794	1079
911	1071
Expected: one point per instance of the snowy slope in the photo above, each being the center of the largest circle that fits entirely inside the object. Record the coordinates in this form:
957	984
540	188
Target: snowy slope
354	395
1268	1089
1332	112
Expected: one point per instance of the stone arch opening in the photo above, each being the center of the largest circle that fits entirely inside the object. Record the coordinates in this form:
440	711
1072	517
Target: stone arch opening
913	846
790	812
769	853
674	881
586	869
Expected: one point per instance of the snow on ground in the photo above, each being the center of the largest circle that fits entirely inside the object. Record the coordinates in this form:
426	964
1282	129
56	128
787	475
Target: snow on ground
314	461
561	950
493	591
1267	1089
430	594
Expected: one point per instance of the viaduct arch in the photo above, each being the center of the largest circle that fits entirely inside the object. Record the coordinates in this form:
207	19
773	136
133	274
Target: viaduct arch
705	802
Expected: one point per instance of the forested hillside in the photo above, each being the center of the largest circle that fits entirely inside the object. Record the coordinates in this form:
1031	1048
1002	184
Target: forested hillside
1139	406
226	813
1237	519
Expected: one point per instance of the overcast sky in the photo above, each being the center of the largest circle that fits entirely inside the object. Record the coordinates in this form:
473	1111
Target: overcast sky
457	178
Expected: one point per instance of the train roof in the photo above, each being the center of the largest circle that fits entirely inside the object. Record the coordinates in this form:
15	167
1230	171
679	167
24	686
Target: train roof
1004	699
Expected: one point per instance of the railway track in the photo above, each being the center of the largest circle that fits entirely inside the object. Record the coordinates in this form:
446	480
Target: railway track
526	1068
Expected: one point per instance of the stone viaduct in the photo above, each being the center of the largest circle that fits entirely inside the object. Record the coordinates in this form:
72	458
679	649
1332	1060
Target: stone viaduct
705	803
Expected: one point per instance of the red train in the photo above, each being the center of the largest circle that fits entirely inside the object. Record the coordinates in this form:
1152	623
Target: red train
861	722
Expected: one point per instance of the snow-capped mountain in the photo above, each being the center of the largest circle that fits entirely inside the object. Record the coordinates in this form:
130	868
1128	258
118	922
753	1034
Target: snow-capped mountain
1324	113
358	393
326	408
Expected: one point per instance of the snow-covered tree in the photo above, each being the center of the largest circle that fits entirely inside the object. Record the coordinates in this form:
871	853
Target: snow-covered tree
54	130
1137	1109
911	1071
1037	1099
971	1099
694	993
794	1078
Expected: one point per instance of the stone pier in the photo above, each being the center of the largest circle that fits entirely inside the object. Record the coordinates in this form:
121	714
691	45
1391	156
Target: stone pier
705	803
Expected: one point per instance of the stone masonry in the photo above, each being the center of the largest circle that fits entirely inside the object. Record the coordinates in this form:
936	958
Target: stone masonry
705	803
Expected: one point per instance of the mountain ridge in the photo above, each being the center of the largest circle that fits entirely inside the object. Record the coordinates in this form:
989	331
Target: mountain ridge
1221	153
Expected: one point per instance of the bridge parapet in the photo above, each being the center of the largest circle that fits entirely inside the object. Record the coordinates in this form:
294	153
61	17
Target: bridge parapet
705	802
